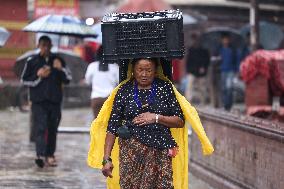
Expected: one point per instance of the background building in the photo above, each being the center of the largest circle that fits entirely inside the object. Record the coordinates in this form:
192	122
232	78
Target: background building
13	16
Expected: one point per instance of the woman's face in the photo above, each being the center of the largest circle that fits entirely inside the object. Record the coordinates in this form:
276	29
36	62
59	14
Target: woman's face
144	72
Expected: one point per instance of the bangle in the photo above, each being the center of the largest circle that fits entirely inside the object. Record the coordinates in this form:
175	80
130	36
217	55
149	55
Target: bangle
105	161
157	118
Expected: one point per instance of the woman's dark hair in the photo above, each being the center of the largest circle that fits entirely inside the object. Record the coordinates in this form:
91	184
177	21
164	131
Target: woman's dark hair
61	60
153	60
99	54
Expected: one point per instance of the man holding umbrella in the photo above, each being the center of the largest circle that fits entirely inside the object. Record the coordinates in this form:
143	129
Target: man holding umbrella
45	74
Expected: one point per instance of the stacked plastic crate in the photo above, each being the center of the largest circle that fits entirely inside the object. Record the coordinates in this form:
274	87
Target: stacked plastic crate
142	35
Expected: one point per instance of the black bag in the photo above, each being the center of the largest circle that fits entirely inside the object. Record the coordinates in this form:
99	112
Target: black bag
124	132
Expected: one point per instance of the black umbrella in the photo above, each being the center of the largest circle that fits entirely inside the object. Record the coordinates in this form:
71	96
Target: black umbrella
76	64
270	34
211	38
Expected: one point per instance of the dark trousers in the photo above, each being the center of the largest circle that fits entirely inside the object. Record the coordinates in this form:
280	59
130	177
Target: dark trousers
96	104
46	119
227	79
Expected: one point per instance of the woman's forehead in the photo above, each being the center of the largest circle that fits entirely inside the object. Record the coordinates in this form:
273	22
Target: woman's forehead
144	63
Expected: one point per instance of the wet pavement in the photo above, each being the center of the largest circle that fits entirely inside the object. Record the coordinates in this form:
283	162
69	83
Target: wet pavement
17	168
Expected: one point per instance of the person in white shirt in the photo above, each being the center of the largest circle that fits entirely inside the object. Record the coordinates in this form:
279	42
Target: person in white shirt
103	78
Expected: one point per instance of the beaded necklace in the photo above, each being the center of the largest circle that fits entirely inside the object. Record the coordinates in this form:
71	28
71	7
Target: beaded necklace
151	97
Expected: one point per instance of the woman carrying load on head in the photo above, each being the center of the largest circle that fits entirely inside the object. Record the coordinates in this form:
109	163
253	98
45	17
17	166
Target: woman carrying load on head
149	108
147	115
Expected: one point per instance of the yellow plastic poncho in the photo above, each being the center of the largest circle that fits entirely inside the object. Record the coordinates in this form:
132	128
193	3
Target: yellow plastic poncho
179	163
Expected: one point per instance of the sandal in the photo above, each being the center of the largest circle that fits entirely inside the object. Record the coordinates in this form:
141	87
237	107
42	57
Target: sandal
51	161
39	162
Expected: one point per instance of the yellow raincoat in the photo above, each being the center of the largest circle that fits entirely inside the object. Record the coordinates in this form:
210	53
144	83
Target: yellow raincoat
179	163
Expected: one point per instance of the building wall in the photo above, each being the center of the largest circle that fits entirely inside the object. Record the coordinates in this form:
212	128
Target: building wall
224	16
248	152
13	16
263	4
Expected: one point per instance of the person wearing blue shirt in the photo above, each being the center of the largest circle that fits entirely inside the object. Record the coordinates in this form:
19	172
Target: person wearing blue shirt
229	68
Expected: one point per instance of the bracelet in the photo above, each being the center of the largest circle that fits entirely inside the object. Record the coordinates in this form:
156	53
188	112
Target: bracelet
105	161
157	118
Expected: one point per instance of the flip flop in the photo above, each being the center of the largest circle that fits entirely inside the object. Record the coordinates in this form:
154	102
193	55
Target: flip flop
51	161
39	162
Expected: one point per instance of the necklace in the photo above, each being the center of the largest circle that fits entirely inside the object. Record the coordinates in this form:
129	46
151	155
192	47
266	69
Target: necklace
150	99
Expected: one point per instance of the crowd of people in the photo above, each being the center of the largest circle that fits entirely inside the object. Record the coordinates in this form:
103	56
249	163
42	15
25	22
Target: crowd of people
210	75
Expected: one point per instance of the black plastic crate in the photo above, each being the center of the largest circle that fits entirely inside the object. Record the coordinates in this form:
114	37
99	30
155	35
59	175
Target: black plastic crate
134	35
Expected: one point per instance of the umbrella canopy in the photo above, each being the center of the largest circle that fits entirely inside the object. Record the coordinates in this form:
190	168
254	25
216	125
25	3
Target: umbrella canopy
4	35
62	25
270	35
211	38
189	19
76	64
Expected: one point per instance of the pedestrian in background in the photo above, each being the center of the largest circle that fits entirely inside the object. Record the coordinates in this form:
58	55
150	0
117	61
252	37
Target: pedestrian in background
197	63
229	68
44	74
104	78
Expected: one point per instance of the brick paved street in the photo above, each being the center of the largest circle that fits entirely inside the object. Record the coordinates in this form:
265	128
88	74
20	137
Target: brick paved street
17	168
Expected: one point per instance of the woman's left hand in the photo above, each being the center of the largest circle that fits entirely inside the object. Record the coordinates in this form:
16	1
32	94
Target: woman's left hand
144	119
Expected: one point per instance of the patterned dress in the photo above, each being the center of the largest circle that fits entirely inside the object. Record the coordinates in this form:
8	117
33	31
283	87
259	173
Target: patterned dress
144	161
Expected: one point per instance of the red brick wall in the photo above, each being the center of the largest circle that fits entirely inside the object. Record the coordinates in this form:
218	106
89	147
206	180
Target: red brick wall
249	153
13	16
14	10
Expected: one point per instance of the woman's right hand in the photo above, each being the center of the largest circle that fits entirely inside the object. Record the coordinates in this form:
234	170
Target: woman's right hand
107	169
144	119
